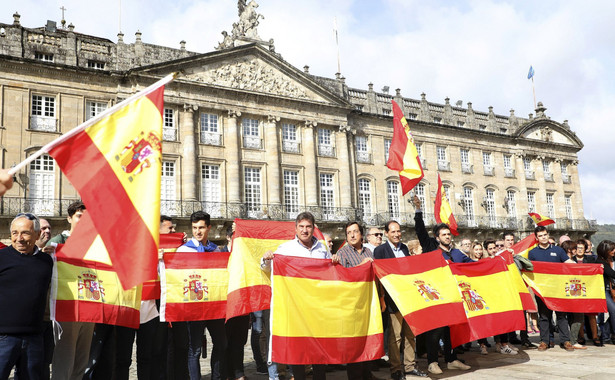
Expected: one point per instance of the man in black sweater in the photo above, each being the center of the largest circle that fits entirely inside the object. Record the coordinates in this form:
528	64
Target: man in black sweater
25	274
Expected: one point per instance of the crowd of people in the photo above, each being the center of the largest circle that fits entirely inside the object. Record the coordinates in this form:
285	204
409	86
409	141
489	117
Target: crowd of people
86	350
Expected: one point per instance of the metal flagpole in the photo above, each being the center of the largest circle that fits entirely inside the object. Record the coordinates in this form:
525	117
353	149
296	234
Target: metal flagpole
337	44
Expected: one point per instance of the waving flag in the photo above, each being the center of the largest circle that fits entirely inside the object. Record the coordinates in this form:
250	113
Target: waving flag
442	209
527	302
403	157
573	288
540	220
323	313
168	243
530	74
424	290
491	301
249	287
523	247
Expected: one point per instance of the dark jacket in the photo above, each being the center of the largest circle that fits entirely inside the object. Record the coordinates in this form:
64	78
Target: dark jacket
431	244
384	251
609	273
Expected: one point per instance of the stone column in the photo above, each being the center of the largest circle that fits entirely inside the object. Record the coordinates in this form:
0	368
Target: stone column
190	153
346	167
522	195
232	155
559	203
273	159
310	165
577	206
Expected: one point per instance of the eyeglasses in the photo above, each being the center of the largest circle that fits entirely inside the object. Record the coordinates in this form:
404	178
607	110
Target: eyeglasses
27	215
499	245
378	234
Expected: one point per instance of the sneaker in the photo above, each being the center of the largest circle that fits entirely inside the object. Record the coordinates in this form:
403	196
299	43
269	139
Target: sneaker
507	350
483	349
434	368
568	346
528	344
578	346
543	346
456	364
513	348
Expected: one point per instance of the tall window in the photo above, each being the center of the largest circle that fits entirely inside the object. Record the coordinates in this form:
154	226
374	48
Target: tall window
419	190
210	131
468	205
290	143
393	198
531	201
365	196
251	135
41	186
511	204
487	163
43	113
169	128
466	167
565	175
210	189
509	171
325	146
93	109
490	205
327	191
527	166
546	169
387	147
568	204
419	152
168	195
550	206
362	150
443	163
291	193
252	191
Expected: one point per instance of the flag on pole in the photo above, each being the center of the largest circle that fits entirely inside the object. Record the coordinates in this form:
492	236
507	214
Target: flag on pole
423	289
168	243
530	74
540	220
572	288
403	157
525	245
442	209
114	162
323	313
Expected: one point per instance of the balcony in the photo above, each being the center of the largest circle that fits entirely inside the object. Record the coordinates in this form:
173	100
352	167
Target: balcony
444	166
566	178
169	134
488	222
43	123
509	172
529	174
423	163
364	157
326	150
11	206
549	177
290	146
489	170
466	168
252	142
211	138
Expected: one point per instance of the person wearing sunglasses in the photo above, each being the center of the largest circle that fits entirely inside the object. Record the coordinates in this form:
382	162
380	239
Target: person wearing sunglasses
25	275
374	238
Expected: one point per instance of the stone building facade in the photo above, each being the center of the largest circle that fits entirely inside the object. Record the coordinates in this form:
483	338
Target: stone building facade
248	135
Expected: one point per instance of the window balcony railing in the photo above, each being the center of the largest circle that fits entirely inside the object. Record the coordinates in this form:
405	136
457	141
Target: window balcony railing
41	207
529	174
211	138
549	177
423	163
566	178
444	166
252	142
364	157
169	134
326	150
466	168
489	170
43	123
289	146
509	172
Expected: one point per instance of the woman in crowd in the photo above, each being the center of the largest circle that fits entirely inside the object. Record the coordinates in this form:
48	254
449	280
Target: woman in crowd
575	320
476	252
605	251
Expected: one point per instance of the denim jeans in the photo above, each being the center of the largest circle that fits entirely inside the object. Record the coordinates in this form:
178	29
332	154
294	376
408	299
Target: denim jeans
218	336
28	349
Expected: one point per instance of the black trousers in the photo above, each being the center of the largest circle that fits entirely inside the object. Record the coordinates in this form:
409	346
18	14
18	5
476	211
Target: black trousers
319	371
152	350
236	337
432	340
110	353
177	354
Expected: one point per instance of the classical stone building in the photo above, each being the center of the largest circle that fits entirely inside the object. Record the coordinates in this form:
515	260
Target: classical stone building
248	135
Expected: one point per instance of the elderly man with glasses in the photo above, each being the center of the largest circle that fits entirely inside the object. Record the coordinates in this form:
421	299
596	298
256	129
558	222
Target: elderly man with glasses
374	238
25	274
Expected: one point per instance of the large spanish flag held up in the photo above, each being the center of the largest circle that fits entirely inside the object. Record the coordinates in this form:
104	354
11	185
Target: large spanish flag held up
442	209
403	156
491	302
89	291
573	288
525	245
194	286
323	313
527	302
168	243
114	162
249	286
424	290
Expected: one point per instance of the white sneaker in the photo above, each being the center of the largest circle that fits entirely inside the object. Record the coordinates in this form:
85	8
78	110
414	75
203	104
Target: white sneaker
483	349
434	368
507	350
513	347
456	364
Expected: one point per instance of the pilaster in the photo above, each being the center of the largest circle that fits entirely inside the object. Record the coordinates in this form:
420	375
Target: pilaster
190	156
232	154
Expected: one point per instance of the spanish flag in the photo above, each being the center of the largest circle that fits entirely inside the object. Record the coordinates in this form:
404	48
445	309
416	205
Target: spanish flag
114	162
323	313
540	220
424	290
523	247
573	288
491	301
249	286
527	302
88	291
168	243
442	209
403	157
194	286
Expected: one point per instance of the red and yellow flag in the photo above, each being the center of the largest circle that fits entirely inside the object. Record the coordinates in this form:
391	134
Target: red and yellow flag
527	302
323	313
403	157
88	291
573	288
249	286
525	245
540	220
168	243
491	301
442	209
423	289
194	286
114	162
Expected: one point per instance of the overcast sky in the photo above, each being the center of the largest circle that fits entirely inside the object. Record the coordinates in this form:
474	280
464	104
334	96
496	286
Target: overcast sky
478	51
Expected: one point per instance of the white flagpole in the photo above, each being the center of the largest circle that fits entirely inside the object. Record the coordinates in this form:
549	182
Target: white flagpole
337	44
94	120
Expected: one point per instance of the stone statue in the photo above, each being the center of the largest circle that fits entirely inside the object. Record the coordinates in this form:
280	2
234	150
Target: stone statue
227	41
248	19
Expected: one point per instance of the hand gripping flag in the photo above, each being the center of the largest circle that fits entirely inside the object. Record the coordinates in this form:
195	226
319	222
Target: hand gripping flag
322	313
540	220
491	301
114	162
168	243
442	209
572	288
403	157
423	289
525	245
249	287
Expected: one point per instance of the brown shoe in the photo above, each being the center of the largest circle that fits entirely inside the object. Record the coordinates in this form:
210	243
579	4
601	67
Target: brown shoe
568	346
542	346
